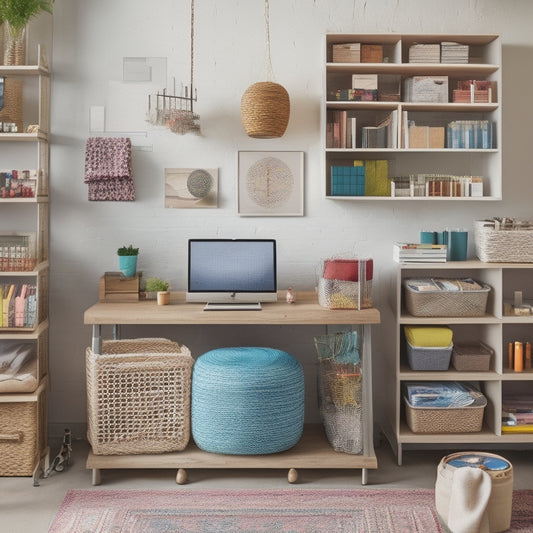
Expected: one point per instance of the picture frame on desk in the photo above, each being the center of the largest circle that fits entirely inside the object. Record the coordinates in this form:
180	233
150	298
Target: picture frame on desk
270	183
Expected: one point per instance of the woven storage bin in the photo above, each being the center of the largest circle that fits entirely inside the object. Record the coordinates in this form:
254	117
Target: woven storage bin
428	358
473	357
138	397
445	419
13	98
22	434
446	303
503	246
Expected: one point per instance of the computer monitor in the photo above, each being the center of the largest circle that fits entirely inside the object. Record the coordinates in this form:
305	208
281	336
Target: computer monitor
232	273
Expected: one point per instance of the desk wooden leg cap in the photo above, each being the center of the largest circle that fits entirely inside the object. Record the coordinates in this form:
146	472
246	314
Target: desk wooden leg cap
292	477
181	476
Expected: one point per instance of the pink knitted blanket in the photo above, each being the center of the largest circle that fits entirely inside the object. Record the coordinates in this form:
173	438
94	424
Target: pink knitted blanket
107	158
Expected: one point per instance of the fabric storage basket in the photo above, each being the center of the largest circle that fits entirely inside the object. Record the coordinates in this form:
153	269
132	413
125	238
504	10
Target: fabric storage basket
428	358
438	302
467	419
138	397
22	433
472	357
503	245
345	283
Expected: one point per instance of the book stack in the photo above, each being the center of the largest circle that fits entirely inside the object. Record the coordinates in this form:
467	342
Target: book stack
451	52
469	134
383	135
341	129
419	253
347	53
517	413
424	53
365	178
371	53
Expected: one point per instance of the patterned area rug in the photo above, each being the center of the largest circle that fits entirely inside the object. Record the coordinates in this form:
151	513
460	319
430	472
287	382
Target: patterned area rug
266	511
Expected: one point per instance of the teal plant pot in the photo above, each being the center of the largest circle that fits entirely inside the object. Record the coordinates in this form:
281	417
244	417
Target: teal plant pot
127	264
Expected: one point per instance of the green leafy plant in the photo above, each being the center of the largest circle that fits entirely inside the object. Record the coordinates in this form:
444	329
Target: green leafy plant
19	12
128	250
156	285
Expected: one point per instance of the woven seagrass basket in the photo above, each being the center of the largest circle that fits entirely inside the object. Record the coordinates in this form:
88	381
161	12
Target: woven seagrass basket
446	303
13	110
467	419
138	397
22	434
503	246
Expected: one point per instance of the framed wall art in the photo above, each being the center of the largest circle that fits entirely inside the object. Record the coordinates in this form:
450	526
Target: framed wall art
191	187
270	183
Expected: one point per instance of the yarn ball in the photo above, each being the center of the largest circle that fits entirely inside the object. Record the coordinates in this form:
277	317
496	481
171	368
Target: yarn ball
247	401
199	183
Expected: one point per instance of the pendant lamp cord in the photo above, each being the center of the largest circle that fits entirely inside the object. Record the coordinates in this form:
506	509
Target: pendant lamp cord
192	53
270	72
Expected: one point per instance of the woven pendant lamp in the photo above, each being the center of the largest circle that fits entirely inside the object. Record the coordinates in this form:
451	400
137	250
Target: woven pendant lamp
265	106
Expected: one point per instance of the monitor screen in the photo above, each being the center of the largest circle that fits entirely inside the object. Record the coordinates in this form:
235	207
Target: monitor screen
232	270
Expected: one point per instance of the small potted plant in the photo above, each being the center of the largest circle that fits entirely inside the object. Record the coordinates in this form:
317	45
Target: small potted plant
127	260
161	288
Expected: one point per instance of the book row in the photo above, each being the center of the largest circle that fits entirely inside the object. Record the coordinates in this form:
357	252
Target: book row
370	178
19	305
343	129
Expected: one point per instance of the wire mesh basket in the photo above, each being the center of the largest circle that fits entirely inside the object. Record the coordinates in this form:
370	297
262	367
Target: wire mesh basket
340	392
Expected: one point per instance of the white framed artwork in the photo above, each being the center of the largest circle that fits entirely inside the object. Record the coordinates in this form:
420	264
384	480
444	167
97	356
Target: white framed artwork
270	183
191	188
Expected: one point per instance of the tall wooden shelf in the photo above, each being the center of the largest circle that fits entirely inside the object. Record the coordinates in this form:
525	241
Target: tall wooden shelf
38	207
495	328
484	63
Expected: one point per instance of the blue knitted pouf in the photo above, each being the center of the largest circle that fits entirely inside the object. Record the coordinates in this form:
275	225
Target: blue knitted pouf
247	401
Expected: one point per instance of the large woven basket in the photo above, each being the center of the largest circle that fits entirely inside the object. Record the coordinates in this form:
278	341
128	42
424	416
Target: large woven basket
503	246
446	303
138	397
467	419
22	434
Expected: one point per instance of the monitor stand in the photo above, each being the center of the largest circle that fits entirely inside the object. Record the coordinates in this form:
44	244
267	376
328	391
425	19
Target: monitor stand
241	306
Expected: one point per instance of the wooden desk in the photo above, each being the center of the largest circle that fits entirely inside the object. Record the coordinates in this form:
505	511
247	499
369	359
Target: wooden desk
313	450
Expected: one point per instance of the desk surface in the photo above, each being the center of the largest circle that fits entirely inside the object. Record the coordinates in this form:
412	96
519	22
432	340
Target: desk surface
305	310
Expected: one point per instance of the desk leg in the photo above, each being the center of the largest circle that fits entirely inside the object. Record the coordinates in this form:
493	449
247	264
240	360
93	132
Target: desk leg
97	339
116	332
97	476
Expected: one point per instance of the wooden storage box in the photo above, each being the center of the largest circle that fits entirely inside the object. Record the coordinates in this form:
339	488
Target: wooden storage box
138	397
437	302
467	419
23	432
115	287
472	357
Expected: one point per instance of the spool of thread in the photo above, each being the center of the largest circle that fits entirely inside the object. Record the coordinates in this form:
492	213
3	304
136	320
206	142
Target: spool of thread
518	356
